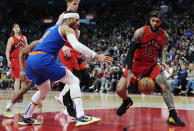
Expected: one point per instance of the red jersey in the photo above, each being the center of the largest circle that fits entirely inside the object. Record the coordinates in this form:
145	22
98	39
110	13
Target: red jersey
16	46
14	56
149	46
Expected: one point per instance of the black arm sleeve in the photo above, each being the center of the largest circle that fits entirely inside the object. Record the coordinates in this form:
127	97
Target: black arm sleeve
129	59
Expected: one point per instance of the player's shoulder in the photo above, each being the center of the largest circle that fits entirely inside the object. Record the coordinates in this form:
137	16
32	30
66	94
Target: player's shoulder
140	30
11	38
66	28
24	37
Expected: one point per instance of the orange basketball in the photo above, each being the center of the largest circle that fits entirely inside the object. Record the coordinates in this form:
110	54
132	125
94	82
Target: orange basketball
146	85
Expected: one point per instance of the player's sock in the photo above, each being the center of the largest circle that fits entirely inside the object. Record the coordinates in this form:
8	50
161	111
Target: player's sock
171	112
78	107
9	105
30	110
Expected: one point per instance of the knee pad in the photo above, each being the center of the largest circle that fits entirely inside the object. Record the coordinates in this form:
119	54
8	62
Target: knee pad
43	91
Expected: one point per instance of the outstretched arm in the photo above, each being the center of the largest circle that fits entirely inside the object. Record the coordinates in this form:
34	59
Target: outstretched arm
70	35
161	53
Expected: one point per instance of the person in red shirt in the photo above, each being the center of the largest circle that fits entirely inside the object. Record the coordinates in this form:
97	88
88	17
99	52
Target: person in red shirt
146	46
15	43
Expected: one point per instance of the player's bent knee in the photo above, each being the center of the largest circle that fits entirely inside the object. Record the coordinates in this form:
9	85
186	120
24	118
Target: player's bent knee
71	78
43	91
164	87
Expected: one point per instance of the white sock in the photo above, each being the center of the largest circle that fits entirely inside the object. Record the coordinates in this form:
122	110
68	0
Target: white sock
78	107
9	105
30	110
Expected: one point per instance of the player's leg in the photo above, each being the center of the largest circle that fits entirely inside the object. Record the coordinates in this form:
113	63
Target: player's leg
86	80
161	81
36	99
16	85
121	91
24	88
64	97
76	96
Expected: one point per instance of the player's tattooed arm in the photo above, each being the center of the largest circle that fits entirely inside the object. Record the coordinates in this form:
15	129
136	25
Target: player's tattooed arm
138	35
166	37
161	81
161	53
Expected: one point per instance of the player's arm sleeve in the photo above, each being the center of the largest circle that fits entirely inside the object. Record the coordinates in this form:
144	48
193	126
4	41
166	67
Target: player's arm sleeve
130	54
137	37
79	46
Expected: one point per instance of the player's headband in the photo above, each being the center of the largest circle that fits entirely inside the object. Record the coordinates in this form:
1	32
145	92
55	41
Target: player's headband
71	15
156	14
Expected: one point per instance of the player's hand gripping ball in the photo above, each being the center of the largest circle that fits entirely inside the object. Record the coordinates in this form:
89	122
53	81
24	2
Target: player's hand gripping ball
146	85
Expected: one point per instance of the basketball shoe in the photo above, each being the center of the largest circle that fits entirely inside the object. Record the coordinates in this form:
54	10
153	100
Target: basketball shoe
28	121
173	119
7	113
124	106
85	120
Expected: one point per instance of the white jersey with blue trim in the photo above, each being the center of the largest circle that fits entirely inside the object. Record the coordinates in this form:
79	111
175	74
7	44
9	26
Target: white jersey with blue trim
51	42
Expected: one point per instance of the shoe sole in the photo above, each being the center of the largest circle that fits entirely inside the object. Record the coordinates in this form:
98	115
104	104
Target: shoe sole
26	124
87	123
6	116
170	123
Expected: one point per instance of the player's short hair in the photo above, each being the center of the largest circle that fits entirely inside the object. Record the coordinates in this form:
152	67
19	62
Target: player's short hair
156	14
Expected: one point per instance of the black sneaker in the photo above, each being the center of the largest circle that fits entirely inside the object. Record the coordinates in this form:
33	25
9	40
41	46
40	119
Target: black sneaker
28	121
124	106
174	120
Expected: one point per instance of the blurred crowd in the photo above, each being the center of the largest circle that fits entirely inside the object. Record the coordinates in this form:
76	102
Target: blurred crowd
114	28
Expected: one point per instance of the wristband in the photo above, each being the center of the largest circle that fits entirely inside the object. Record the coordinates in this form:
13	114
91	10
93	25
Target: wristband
22	69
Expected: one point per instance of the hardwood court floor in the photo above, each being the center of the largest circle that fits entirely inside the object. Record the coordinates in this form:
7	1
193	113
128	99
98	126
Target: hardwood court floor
148	113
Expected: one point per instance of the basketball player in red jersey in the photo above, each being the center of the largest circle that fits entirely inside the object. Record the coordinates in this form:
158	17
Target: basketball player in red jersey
15	43
147	44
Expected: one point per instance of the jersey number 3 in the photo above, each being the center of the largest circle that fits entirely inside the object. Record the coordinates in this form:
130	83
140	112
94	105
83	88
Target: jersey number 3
149	52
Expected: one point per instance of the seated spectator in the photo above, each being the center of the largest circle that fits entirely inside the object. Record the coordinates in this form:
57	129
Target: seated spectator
181	81
190	78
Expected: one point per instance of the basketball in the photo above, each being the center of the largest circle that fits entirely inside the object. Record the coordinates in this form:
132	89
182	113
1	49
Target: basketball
146	85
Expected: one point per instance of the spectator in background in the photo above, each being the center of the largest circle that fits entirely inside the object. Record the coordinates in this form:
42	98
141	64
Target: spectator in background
190	78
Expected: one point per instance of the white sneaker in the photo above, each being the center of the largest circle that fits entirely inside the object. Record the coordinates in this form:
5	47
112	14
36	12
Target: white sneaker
7	113
85	120
59	98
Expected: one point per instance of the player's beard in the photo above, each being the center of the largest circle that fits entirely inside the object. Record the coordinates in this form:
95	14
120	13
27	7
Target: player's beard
154	30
